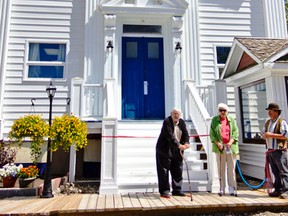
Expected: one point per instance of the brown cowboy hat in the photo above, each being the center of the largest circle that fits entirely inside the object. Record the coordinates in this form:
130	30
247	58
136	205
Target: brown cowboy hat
273	106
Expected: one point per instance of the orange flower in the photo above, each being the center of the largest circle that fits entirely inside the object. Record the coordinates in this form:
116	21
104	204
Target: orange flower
28	172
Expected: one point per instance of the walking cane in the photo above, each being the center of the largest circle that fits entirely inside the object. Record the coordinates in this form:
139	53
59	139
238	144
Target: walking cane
220	175
190	188
235	188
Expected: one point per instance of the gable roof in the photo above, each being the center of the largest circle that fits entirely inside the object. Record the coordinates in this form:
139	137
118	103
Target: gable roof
247	52
263	48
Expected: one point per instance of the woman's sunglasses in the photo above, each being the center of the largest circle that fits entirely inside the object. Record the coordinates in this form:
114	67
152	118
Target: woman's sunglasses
222	110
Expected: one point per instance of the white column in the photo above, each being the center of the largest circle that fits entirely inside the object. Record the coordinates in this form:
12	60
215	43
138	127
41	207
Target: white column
220	94
72	163
177	23
76	94
108	184
110	28
275	18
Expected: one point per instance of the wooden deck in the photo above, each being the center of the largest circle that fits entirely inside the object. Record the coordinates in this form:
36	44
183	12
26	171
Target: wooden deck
142	204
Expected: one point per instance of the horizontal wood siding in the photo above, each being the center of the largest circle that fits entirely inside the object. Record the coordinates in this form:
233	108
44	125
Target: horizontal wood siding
45	21
219	22
252	160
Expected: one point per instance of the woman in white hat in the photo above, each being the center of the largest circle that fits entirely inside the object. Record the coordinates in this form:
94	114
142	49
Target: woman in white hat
224	137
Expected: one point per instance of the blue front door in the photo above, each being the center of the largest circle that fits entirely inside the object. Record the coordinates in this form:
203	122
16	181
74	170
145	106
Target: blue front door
142	78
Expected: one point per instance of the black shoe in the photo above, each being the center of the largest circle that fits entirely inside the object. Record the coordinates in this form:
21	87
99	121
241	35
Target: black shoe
180	193
275	194
167	196
220	193
233	194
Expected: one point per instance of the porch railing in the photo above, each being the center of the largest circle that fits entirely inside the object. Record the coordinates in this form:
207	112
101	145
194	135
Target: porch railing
201	106
206	94
87	101
201	120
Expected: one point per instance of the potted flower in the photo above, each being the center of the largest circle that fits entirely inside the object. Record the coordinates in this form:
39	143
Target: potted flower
68	130
27	175
7	154
9	173
30	126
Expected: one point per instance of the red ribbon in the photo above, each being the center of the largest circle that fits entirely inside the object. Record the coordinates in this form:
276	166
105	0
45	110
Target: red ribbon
119	136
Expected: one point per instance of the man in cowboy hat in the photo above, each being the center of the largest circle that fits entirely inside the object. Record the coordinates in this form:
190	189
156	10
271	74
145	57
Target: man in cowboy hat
275	132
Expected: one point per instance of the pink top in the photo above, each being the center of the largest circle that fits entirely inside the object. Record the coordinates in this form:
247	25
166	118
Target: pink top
225	130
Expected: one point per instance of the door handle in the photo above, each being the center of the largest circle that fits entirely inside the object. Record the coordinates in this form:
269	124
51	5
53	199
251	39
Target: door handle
145	88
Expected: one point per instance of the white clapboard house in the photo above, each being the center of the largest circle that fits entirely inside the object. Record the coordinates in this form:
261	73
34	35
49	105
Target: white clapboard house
124	64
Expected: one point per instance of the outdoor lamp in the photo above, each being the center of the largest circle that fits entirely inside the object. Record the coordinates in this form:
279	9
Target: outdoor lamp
110	46
178	47
51	90
47	188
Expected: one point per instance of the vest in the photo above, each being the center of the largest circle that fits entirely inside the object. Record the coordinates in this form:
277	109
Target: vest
281	143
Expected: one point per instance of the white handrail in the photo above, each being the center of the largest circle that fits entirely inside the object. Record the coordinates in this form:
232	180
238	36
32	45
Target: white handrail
201	120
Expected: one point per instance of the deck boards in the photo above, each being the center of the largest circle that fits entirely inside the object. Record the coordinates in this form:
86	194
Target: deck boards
134	202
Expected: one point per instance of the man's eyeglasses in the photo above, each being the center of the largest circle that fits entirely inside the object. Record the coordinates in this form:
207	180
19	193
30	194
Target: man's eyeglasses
222	110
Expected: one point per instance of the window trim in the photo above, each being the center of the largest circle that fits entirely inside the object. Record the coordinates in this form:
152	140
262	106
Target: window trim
45	63
286	86
216	65
248	140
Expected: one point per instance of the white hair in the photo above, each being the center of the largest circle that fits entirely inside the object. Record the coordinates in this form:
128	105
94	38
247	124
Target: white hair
176	109
223	106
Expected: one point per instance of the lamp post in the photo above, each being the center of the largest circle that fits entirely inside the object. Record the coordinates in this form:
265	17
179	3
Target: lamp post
47	190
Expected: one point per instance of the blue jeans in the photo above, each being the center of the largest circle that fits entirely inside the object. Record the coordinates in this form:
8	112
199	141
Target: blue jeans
279	167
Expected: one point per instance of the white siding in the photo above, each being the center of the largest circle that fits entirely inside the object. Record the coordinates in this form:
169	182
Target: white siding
219	22
4	18
45	21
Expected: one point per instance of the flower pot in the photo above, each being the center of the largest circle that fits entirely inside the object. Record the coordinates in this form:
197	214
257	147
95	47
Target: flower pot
27	182
9	181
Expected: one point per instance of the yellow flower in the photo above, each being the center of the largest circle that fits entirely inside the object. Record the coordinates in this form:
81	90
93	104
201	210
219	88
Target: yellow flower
31	126
65	131
68	130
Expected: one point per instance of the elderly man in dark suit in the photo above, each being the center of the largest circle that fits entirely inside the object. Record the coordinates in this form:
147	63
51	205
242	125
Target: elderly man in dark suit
173	138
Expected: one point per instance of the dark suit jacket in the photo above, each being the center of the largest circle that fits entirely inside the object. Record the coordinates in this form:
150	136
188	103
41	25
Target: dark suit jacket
167	144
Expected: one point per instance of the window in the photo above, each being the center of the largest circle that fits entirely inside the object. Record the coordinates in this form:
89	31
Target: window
222	53
253	114
152	29
46	60
132	50
129	2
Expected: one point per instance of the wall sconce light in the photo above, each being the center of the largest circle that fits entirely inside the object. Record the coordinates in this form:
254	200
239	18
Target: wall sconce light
178	47
110	46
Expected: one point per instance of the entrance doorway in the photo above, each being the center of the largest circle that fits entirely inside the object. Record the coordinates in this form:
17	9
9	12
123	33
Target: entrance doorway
142	78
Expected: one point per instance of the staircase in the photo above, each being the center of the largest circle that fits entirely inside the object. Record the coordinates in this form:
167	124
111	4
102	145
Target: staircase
136	163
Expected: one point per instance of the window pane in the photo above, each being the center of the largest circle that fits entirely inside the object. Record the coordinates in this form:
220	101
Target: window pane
253	103
129	2
153	50
45	71
222	54
131	50
47	52
142	29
